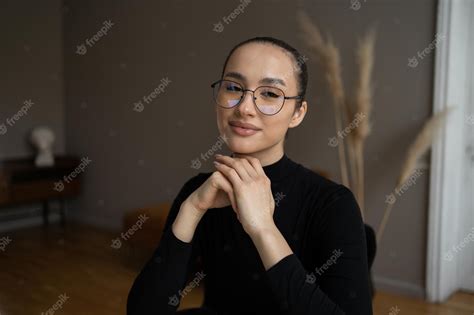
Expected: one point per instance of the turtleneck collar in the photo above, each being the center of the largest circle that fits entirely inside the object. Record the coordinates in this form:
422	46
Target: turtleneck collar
277	170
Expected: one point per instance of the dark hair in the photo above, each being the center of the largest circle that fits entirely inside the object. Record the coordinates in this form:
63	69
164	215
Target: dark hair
298	60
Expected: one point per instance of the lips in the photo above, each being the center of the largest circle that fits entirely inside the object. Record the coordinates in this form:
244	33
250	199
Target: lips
243	125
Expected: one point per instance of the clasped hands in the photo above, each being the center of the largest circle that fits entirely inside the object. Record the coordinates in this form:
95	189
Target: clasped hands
249	192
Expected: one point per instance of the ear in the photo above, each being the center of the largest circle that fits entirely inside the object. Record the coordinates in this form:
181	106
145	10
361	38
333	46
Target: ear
298	115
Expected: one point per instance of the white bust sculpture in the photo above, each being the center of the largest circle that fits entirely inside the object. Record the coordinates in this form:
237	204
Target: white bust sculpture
43	139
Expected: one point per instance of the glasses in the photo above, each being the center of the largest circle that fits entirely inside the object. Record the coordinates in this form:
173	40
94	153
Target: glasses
269	100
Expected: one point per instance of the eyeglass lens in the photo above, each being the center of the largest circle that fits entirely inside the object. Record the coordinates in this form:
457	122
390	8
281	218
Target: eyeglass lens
268	100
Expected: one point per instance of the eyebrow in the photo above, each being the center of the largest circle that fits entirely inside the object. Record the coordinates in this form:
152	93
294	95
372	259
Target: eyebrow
239	76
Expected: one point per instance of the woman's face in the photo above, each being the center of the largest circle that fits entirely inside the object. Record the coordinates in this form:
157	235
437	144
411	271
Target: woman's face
253	65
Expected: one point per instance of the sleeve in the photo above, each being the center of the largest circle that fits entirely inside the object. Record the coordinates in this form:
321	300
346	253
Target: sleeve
338	282
156	290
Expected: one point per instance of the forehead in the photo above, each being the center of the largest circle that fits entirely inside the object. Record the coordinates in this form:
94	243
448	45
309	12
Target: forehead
256	61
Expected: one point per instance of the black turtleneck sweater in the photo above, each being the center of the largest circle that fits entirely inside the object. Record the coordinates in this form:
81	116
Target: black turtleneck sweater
326	274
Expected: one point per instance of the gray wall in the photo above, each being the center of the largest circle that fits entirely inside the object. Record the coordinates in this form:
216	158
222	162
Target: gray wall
31	67
142	158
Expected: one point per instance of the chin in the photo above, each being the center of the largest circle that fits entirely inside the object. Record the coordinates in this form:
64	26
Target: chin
243	145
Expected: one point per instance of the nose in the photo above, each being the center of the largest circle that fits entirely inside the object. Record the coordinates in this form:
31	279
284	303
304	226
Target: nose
247	105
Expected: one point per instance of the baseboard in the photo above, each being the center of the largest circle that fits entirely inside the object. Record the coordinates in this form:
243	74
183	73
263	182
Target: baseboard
398	287
22	223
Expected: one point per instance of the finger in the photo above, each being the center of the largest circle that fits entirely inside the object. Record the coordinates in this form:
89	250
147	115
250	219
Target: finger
233	169
236	164
229	173
249	168
257	166
226	186
244	165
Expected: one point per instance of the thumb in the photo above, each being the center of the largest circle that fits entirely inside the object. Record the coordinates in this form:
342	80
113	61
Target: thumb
226	186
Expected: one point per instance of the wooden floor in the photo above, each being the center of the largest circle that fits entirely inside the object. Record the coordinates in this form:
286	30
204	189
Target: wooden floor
41	264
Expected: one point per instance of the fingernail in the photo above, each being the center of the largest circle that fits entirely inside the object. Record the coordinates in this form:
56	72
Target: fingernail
216	163
218	155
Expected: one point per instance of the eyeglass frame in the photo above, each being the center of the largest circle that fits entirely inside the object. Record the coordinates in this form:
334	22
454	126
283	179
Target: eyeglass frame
253	96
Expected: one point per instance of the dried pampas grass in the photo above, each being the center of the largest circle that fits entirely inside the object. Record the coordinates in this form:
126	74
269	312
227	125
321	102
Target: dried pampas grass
347	111
416	151
364	105
328	56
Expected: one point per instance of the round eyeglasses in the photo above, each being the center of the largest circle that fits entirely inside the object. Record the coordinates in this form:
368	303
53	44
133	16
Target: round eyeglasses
269	100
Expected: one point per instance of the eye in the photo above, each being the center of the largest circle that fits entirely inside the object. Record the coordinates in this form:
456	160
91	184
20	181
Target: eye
231	87
269	94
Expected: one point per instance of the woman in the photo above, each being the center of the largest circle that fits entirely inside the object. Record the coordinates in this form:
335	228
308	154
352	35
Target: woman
273	236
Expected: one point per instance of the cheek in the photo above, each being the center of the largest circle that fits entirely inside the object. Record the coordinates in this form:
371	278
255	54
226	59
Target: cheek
221	117
275	133
276	127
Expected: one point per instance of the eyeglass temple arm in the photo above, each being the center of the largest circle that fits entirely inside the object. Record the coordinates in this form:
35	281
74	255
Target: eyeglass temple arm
212	85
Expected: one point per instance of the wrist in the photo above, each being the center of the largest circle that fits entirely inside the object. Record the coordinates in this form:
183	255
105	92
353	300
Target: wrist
190	207
186	221
193	202
271	245
265	231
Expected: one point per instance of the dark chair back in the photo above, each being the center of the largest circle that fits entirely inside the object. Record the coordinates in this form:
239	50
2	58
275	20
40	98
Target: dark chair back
371	251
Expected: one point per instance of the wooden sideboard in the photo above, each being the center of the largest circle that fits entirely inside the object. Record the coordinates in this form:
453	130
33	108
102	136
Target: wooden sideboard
21	182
